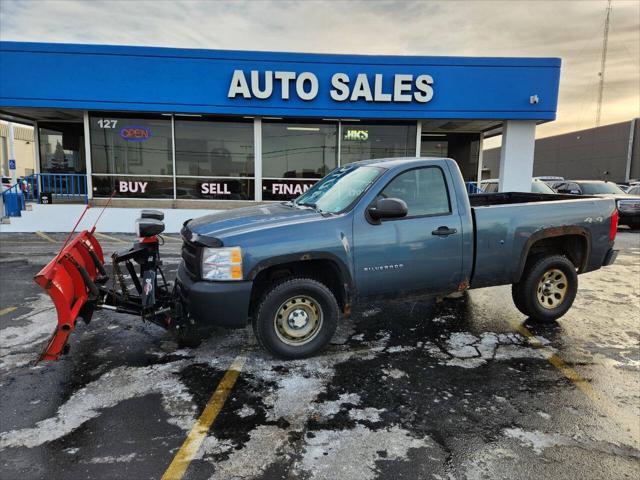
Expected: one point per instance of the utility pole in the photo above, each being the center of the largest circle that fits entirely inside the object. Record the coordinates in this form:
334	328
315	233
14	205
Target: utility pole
603	62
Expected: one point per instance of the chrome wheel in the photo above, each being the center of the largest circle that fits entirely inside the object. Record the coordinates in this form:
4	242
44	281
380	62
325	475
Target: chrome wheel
298	320
552	288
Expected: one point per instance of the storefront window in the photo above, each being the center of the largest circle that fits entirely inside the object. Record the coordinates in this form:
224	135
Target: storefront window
365	141
221	188
298	150
62	148
138	145
214	148
132	187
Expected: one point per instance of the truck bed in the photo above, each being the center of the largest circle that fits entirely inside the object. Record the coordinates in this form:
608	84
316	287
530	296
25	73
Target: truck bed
505	224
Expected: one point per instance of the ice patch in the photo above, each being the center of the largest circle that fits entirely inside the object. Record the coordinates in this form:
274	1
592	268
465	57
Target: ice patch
368	414
536	439
109	459
354	452
246	411
41	321
109	390
394	373
466	350
371	312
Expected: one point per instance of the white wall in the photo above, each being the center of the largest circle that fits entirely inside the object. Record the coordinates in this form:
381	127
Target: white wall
61	218
516	155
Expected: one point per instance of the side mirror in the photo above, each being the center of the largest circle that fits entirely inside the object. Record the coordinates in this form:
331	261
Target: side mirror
388	208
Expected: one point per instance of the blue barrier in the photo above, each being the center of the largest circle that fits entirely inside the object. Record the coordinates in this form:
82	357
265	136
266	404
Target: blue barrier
13	200
59	186
472	187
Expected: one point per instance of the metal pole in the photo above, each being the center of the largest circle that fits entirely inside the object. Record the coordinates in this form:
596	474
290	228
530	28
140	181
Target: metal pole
173	155
418	138
12	155
257	158
480	160
87	155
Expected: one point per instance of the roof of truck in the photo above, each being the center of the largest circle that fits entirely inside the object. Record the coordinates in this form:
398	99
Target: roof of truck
394	162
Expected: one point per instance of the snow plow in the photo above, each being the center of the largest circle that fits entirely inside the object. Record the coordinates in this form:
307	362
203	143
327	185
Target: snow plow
78	284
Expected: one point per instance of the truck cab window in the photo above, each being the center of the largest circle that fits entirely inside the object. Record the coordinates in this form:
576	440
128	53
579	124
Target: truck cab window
424	190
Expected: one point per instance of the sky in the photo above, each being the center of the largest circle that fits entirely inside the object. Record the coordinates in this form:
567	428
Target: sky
571	30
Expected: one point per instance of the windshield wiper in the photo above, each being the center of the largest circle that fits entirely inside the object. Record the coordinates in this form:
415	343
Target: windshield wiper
314	206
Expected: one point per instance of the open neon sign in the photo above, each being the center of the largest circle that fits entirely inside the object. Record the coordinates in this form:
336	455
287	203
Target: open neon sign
135	134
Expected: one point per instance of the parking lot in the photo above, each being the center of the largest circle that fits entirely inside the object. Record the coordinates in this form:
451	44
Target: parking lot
456	388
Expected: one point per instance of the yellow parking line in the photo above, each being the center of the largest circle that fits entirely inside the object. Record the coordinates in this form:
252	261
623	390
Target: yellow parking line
4	311
46	237
109	237
192	443
601	401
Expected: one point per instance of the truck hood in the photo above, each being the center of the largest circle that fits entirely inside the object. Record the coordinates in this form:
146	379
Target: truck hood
250	219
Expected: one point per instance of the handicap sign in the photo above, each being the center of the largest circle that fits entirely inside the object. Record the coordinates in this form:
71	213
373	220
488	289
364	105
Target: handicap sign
12	164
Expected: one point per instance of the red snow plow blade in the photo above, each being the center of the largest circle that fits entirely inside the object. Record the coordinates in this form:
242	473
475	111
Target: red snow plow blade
70	280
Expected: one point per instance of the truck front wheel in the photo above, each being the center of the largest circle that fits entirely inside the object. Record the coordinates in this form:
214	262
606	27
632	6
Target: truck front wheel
547	288
296	318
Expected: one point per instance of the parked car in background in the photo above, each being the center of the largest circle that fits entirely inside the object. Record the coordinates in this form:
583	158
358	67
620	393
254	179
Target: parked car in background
549	178
537	186
634	190
628	204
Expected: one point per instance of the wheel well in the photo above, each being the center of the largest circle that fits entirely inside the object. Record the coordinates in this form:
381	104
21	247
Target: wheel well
574	247
324	271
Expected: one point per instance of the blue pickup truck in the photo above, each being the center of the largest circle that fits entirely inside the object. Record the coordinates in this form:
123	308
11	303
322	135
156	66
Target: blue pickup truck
385	228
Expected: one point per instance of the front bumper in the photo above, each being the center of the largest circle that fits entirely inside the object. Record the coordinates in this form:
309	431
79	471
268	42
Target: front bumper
224	304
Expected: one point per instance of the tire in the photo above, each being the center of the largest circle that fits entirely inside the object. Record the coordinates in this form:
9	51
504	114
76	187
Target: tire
296	318
516	295
547	288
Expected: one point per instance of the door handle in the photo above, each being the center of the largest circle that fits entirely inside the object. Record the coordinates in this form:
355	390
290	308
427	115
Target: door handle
444	231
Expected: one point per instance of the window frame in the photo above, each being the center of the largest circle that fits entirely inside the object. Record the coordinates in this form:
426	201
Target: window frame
426	215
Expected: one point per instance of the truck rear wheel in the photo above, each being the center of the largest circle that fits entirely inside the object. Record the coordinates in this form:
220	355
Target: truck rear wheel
296	318
547	288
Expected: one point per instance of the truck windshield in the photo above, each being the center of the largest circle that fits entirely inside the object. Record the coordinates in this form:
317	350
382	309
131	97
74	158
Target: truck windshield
339	189
600	188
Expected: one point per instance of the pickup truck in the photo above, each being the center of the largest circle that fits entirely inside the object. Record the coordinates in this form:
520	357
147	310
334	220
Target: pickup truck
380	228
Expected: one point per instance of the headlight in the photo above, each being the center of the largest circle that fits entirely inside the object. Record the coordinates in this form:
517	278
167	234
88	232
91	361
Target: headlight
222	263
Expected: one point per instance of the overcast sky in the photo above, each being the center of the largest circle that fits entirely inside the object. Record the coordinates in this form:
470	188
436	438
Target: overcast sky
571	30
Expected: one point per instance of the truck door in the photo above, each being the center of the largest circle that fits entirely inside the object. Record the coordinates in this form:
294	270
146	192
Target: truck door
421	252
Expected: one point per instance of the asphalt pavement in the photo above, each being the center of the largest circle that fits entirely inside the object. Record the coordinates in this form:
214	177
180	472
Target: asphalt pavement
437	389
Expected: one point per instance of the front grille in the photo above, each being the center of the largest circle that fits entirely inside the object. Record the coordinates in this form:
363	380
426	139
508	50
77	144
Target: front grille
191	257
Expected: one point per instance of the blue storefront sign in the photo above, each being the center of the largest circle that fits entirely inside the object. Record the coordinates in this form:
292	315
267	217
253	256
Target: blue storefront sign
277	84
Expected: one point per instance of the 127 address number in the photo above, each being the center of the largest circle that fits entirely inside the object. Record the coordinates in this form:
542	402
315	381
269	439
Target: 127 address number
107	123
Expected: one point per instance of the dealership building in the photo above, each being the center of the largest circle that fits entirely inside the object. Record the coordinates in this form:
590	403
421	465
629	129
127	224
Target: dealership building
183	125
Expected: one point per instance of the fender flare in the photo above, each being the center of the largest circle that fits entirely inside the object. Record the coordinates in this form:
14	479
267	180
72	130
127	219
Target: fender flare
554	232
343	270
